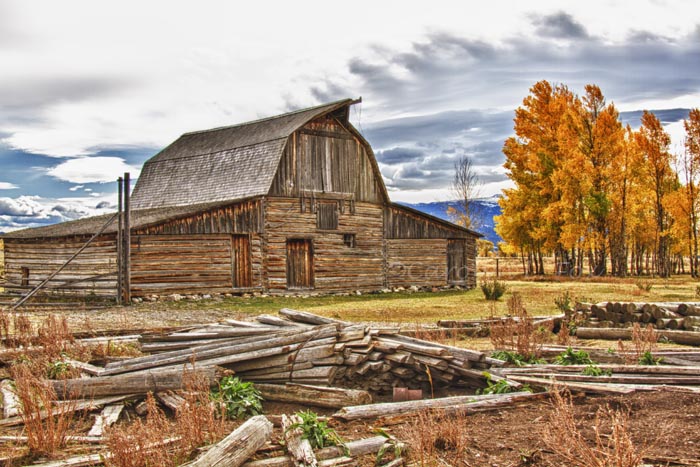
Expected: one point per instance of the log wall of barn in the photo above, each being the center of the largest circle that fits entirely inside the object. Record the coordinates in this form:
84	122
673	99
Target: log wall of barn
324	157
188	264
420	262
30	261
338	267
408	228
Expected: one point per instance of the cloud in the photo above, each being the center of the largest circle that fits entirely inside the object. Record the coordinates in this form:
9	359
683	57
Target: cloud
8	186
560	25
100	169
76	187
34	211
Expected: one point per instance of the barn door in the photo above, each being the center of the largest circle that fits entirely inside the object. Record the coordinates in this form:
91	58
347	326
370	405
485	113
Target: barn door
300	264
456	261
242	274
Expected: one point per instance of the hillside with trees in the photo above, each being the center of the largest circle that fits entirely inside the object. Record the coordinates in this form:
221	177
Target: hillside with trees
603	198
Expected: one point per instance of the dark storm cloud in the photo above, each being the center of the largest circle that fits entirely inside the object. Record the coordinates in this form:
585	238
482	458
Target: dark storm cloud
560	25
665	116
450	71
399	155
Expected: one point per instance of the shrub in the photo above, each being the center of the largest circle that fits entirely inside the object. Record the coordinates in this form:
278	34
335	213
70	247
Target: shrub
238	398
316	431
644	341
493	289
436	440
595	370
574	357
515	358
501	386
648	358
644	286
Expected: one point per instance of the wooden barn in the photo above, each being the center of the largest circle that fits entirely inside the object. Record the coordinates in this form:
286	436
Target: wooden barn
292	203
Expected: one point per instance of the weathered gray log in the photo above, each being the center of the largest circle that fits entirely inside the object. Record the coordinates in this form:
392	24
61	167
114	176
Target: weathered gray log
132	383
679	337
73	406
299	449
109	416
318	396
171	400
237	447
309	318
313	351
394	408
10	403
619	379
624	369
594	388
213	352
275	321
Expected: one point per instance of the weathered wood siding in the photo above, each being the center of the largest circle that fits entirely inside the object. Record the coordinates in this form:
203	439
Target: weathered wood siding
190	264
337	266
420	262
244	217
28	262
404	226
324	157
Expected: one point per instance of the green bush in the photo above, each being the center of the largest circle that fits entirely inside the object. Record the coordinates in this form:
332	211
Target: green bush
493	289
648	359
240	399
595	370
574	357
515	358
316	431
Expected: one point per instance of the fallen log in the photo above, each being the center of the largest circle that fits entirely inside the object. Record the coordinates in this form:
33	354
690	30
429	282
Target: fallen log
299	449
10	403
318	396
679	337
237	447
594	388
72	406
394	408
109	416
132	383
310	318
215	352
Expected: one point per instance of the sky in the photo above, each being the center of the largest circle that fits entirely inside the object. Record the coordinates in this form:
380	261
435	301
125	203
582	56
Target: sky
90	90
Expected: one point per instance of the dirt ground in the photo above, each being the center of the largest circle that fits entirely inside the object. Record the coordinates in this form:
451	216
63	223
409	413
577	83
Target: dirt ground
664	425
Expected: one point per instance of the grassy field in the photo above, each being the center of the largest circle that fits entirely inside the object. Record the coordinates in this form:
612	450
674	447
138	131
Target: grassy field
426	307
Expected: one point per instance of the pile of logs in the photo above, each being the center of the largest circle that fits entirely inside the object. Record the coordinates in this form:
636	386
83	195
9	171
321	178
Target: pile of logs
304	348
671	316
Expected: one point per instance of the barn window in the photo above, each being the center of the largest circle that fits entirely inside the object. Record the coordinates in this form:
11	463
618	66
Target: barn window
349	240
327	216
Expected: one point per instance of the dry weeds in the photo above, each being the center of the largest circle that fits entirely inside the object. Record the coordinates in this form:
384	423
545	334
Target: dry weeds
611	444
643	341
435	440
46	425
517	332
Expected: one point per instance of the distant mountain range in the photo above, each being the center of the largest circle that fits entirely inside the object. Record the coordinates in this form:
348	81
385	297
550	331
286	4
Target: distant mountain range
488	208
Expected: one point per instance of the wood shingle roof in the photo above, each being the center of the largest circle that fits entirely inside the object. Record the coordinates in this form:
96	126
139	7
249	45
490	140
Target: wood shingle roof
222	163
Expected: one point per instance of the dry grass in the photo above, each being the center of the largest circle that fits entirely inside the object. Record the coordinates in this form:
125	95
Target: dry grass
644	341
143	443
518	332
610	444
45	425
197	421
435	440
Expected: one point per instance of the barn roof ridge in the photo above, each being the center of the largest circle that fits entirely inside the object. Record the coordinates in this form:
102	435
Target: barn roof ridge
349	100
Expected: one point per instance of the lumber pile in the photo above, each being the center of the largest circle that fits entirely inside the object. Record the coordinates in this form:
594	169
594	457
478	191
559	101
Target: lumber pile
666	316
307	349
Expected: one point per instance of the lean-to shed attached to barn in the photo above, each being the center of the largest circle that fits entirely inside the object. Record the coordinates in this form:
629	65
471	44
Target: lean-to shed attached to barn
290	203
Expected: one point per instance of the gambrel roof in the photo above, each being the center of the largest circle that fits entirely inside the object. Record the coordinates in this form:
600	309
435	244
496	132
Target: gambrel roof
222	164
